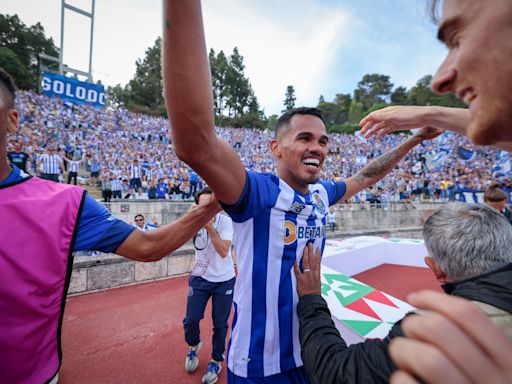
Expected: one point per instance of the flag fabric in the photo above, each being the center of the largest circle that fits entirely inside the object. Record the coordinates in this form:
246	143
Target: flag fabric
435	160
502	166
465	154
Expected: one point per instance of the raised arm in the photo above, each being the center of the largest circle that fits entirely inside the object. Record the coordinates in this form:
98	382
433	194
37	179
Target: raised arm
401	118
189	100
382	165
153	245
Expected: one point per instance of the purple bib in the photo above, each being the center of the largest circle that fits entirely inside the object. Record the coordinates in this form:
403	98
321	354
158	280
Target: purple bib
38	223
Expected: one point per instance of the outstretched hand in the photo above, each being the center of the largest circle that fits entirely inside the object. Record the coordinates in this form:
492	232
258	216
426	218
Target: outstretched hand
308	281
395	118
451	342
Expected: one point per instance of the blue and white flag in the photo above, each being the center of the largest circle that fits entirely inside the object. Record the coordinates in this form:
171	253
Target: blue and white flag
435	160
465	154
502	166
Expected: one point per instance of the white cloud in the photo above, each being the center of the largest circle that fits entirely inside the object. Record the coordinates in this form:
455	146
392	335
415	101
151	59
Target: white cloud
279	49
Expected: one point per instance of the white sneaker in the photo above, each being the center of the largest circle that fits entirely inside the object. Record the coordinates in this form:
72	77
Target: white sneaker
192	359
212	373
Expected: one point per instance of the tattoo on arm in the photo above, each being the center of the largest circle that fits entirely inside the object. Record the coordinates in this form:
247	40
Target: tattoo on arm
382	165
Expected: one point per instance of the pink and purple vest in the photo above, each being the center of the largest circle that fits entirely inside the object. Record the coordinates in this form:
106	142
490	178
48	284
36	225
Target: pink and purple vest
38	225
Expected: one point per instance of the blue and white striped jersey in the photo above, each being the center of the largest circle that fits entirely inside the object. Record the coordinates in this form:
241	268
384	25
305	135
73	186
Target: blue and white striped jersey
135	171
50	163
272	224
74	166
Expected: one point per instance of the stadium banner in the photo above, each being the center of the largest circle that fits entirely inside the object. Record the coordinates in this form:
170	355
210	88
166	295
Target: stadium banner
73	90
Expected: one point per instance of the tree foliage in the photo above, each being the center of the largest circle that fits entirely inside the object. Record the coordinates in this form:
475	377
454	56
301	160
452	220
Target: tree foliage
235	103
373	89
289	98
22	46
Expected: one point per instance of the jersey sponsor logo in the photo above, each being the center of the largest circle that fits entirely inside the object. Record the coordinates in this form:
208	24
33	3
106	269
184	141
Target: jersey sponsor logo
319	204
292	232
297	207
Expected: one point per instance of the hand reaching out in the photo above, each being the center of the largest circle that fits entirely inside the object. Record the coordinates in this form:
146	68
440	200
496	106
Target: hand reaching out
308	281
454	342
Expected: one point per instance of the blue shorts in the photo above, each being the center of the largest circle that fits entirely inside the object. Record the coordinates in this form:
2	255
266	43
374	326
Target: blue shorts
293	376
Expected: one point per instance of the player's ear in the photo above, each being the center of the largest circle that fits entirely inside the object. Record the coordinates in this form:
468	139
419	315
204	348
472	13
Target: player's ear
13	121
275	147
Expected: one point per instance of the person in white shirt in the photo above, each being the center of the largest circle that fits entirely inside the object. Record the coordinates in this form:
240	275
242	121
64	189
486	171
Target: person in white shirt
331	218
145	227
213	276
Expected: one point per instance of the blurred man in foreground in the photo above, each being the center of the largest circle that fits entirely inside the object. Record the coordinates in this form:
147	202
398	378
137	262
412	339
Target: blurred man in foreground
478	70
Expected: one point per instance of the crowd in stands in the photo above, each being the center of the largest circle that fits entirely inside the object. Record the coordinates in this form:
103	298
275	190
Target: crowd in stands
131	155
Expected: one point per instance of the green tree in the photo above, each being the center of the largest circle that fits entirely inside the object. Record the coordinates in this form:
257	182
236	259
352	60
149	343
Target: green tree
421	94
26	43
399	96
12	64
239	88
145	90
271	122
373	89
219	69
289	98
356	112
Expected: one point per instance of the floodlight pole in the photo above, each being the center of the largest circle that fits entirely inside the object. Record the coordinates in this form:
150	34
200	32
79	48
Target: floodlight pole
64	68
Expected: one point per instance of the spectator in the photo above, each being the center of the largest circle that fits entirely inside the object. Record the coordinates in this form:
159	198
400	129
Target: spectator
145	227
18	157
497	198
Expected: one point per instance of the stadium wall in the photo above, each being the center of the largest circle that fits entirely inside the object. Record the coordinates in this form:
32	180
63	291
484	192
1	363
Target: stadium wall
103	271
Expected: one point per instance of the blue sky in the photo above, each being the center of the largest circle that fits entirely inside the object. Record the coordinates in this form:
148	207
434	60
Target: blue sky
321	47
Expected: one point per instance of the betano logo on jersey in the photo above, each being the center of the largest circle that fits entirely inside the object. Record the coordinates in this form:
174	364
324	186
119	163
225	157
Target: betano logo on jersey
292	232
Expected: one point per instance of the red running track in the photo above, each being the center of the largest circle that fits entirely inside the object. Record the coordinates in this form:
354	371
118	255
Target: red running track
134	334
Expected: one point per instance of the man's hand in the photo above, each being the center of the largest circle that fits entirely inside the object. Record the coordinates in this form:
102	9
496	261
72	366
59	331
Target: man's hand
308	281
209	225
154	222
452	342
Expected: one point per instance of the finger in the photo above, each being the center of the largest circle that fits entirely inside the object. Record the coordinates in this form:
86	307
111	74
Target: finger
315	259
298	273
366	122
376	128
367	128
383	132
402	377
305	258
487	336
424	361
435	329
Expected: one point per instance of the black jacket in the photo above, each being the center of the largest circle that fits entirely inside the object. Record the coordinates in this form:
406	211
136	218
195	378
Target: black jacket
327	359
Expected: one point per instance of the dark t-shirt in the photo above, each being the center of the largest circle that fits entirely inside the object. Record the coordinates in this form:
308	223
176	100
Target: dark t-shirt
19	159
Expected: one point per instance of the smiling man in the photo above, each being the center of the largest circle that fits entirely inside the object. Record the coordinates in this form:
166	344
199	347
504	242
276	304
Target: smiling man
476	69
274	216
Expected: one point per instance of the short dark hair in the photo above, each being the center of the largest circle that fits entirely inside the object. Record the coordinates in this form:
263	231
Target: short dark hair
202	191
495	194
138	215
285	118
8	87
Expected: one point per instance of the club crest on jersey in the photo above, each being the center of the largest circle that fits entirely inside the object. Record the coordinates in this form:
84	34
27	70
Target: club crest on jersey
292	232
297	207
319	204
